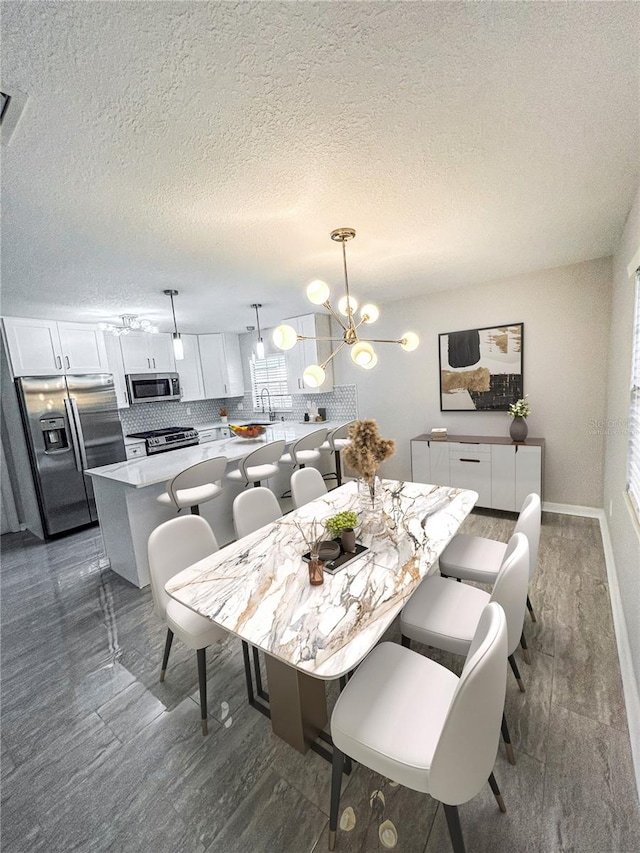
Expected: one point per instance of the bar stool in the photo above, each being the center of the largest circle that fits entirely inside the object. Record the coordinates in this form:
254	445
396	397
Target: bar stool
258	465
195	485
304	451
337	439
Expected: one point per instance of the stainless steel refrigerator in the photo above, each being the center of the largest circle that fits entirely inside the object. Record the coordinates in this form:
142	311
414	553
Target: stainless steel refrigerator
71	424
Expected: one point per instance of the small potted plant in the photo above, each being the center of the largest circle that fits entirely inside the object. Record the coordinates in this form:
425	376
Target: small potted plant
342	525
519	411
223	416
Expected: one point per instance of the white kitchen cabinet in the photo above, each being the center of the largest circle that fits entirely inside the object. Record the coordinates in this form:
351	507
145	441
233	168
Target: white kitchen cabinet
48	348
135	451
147	353
116	367
221	366
502	472
304	353
190	370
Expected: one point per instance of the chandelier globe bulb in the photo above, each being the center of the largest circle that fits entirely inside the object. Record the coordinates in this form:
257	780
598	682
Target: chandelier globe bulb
284	337
369	313
318	292
313	376
409	341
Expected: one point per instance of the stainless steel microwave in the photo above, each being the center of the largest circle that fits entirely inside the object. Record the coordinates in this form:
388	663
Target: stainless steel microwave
153	387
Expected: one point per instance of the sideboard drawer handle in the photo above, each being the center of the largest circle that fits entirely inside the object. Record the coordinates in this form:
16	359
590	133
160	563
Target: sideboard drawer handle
469	460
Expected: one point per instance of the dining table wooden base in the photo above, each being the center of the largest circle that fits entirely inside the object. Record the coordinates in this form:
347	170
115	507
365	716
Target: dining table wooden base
298	704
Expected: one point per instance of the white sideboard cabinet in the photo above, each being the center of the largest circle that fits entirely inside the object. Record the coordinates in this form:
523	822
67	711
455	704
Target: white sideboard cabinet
49	348
501	471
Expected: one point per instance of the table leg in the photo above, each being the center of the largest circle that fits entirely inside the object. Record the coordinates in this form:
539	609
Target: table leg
298	704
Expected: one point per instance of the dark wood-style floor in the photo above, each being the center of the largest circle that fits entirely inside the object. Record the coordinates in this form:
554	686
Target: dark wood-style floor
97	755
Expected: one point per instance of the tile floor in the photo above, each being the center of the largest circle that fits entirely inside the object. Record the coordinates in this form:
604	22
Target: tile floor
97	755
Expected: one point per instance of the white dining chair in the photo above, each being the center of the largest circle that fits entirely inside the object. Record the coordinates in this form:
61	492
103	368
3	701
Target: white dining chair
254	509
306	485
476	558
415	722
172	547
445	614
258	465
337	440
195	485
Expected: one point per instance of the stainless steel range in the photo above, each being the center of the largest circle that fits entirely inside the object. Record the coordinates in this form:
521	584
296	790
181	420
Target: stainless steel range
169	438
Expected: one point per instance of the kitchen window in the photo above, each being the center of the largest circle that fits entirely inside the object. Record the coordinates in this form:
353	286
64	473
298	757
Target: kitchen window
633	458
270	373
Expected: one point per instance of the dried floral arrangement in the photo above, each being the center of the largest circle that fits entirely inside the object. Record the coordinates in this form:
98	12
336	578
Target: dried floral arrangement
312	533
367	449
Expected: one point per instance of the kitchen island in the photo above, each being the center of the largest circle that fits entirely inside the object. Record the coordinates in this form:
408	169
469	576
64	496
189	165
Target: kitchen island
126	494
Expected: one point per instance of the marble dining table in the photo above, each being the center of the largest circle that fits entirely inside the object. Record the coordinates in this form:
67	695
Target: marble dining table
258	589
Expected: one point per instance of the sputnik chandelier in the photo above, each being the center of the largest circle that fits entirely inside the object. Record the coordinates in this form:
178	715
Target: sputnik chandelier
362	353
130	323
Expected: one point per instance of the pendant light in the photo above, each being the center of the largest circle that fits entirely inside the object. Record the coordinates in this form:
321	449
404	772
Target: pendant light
260	342
362	353
178	346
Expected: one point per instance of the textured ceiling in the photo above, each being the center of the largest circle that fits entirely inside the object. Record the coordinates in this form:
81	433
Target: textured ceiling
212	147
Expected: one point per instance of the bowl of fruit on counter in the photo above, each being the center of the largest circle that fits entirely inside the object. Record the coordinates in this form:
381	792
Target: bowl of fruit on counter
248	430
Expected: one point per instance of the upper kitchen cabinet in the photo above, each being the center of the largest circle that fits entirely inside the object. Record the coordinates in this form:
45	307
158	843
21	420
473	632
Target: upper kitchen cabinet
221	365
47	348
305	353
190	370
146	353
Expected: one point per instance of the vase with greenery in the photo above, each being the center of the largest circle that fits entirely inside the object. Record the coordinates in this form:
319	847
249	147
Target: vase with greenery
342	525
519	411
365	454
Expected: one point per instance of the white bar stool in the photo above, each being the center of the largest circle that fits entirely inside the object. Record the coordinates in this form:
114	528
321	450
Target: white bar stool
304	451
337	439
195	485
258	465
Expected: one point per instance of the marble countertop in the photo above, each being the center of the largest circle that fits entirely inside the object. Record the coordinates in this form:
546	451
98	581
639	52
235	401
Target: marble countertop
258	587
151	470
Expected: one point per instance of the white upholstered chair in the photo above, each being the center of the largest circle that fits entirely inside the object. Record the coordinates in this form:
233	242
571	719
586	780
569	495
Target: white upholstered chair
258	465
415	722
306	485
195	485
337	440
305	450
445	614
254	509
475	558
172	547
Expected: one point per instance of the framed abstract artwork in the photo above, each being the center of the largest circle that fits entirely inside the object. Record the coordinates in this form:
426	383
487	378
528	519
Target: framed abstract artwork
481	369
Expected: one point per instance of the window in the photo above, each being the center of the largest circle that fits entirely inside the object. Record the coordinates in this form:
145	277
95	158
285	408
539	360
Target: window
633	460
270	373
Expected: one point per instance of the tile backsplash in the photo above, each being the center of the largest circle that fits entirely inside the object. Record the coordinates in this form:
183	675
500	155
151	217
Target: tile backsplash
341	405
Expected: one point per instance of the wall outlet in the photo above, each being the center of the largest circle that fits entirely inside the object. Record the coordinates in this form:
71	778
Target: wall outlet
188	410
240	406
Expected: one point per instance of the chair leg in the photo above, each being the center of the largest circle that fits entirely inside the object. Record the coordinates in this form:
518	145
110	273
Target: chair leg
516	672
525	650
530	609
202	678
338	468
167	649
406	642
342	681
511	756
336	784
195	510
496	793
256	484
455	830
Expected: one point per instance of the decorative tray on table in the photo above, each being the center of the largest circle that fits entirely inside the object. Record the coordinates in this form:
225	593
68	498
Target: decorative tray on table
339	562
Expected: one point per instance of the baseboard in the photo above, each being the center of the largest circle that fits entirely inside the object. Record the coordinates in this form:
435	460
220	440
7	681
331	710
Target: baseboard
630	686
572	509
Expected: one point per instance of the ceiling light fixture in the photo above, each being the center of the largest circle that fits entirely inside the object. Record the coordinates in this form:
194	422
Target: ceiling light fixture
260	342
362	353
130	323
178	346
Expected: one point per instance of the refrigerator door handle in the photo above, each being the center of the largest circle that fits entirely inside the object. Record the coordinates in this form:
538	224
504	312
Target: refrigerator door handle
73	434
78	426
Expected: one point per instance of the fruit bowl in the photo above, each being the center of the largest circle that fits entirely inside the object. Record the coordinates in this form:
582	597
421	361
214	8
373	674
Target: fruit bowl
248	431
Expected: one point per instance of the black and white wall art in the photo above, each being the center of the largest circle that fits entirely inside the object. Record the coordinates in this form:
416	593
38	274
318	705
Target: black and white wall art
481	369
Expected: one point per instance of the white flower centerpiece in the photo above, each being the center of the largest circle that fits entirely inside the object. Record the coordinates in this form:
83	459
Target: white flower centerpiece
519	411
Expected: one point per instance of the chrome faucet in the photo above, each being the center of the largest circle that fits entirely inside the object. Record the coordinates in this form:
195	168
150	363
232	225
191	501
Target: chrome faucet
272	414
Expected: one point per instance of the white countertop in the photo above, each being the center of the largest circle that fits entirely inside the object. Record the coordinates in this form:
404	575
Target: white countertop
151	470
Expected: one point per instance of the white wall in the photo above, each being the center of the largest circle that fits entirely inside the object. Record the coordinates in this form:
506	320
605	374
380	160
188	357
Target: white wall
566	315
625	537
